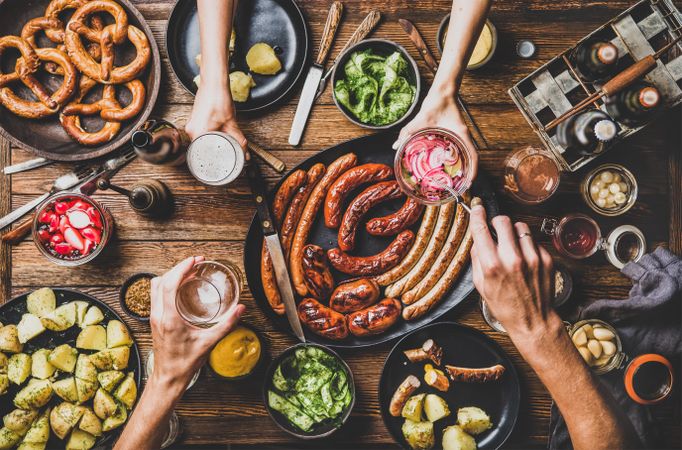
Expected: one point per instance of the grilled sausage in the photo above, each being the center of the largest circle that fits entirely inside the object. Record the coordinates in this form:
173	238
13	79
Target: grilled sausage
308	216
347	182
400	220
316	275
322	320
363	266
293	214
376	319
354	295
284	194
469	375
358	207
420	243
400	396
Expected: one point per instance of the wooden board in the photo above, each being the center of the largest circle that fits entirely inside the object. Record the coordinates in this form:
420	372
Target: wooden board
214	221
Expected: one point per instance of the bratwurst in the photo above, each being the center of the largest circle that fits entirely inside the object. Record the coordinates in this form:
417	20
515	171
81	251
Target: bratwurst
375	319
318	279
400	220
322	320
363	266
354	295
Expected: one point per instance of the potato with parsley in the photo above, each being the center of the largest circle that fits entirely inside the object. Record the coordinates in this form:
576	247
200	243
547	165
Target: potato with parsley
80	440
90	423
20	420
39	433
93	337
9	339
36	394
19	368
240	86
29	327
435	408
455	438
126	392
104	404
419	435
61	319
261	59
115	420
41	302
63	357
8	438
109	379
66	389
64	418
413	408
473	420
41	367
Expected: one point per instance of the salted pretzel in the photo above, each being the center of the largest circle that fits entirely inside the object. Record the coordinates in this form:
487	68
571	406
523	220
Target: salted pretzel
54	8
31	62
71	114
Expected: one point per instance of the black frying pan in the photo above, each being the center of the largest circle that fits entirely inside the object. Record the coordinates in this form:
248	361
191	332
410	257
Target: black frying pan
374	148
278	23
465	347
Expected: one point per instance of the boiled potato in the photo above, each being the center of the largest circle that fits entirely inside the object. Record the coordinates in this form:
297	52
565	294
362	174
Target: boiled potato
9	339
112	358
240	86
32	446
455	438
41	302
8	438
64	418
93	316
4	383
85	389
90	423
63	358
109	379
62	318
126	392
419	435
80	440
66	389
116	420
435	408
262	59
81	309
40	430
19	368
20	420
4	362
93	337
413	408
35	395
473	420
104	404
29	327
117	335
41	368
85	369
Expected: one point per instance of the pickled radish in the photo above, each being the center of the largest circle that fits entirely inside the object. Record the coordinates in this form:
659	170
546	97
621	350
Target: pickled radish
79	219
92	234
74	238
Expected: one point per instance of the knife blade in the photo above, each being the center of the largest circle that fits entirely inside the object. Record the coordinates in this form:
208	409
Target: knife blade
314	76
362	31
274	246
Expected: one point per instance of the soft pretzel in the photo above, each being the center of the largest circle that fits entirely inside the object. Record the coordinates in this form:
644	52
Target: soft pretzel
137	91
52	12
72	123
31	62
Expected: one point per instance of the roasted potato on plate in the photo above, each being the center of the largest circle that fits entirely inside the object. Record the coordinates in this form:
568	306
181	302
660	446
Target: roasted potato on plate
473	420
41	367
36	394
9	339
93	337
455	438
20	420
41	302
19	368
419	435
29	327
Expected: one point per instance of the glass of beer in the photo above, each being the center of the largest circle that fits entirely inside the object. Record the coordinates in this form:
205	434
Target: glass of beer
208	292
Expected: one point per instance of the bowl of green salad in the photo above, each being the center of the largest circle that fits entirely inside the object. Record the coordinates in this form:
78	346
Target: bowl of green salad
309	391
376	84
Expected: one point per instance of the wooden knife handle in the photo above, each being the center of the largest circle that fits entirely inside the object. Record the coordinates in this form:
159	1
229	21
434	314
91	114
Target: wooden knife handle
629	75
17	234
368	23
268	157
418	42
333	19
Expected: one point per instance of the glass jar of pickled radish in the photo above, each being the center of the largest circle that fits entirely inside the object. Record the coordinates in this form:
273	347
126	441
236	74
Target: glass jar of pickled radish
609	189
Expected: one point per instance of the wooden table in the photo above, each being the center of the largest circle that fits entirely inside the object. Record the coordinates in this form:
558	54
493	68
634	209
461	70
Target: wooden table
214	222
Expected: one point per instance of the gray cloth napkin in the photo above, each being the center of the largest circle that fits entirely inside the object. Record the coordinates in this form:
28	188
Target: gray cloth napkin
649	321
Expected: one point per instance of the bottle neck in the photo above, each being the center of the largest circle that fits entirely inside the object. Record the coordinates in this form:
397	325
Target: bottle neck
642	99
141	139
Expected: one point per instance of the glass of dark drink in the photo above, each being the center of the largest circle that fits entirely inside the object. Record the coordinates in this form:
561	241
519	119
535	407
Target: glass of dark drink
576	236
649	379
531	176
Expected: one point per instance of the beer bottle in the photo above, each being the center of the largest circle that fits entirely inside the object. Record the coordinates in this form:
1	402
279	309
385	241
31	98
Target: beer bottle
160	142
587	132
635	104
596	60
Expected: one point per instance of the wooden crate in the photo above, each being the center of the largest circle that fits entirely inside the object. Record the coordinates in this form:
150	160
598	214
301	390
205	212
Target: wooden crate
555	87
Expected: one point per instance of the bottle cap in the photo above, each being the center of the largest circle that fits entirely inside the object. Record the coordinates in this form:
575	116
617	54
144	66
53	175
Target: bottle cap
607	53
605	130
649	97
526	49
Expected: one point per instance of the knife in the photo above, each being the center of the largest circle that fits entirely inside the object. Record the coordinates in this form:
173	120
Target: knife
431	63
312	80
26	165
368	24
274	245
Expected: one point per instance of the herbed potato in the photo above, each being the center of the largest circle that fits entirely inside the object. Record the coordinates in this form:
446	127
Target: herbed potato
66	389
473	420
117	335
435	408
240	85
41	302
4	362
81	309
419	435
29	327
85	369
126	392
93	316
261	59
62	318
8	438
40	430
116	420
112	358
413	408
35	395
19	368
9	339
20	420
455	438
85	389
109	379
32	445
4	383
80	440
41	368
90	423
64	418
104	404
63	357
93	337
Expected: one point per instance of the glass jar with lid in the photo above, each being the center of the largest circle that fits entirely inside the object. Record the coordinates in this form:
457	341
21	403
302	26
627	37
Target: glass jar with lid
609	189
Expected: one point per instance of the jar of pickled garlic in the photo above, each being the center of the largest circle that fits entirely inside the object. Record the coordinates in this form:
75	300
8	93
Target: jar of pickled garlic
599	345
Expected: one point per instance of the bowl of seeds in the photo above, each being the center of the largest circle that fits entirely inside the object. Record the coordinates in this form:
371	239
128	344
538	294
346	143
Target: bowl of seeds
135	296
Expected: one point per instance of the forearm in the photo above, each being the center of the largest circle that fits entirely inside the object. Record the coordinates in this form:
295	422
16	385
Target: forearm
215	27
148	424
466	22
592	418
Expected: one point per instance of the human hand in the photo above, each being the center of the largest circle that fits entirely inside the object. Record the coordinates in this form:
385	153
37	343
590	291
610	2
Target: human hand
180	348
514	276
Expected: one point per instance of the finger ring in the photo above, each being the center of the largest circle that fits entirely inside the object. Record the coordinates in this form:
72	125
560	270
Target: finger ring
523	235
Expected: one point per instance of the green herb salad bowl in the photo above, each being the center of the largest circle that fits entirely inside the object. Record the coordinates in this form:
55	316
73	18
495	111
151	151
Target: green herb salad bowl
318	391
365	94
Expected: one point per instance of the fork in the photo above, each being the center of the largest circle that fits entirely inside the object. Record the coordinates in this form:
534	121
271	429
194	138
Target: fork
66	181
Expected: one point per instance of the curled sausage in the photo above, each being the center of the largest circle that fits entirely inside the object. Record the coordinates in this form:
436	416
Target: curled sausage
354	295
363	266
358	207
400	220
400	396
347	182
469	375
316	272
376	319
293	214
309	215
322	320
